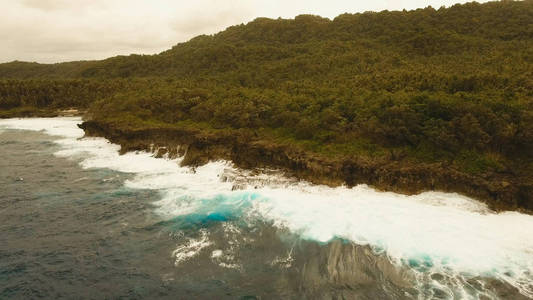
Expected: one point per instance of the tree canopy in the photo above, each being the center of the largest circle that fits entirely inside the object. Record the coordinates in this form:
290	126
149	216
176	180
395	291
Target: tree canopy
450	85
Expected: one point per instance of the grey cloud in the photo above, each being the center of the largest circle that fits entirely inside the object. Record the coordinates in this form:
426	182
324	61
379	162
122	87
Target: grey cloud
209	22
62	30
51	5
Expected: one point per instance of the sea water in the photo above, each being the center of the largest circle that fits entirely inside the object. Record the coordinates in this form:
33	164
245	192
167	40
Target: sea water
80	220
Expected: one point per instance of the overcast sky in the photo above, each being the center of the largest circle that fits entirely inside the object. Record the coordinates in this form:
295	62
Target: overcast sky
63	30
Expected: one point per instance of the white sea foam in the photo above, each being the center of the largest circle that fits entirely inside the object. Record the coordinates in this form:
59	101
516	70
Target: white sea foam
217	253
432	232
191	248
63	127
283	262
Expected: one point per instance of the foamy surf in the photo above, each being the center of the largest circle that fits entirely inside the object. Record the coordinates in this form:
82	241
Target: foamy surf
431	233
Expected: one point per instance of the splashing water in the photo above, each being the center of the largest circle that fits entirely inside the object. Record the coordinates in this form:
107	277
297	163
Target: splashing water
436	235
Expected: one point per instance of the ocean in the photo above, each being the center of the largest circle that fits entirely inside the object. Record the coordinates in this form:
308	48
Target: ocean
78	220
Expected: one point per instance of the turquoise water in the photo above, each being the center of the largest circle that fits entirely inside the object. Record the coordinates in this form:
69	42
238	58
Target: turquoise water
79	221
74	233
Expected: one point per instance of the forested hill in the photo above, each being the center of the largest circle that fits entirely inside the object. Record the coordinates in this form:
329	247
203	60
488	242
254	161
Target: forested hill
478	39
449	87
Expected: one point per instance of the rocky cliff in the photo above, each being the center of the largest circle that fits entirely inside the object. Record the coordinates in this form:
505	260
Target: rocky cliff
499	191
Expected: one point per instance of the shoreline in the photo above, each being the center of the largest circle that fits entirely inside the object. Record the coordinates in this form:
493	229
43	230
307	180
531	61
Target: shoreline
500	193
31	112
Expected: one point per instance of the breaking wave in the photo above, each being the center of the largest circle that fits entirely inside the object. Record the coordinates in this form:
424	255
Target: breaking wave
430	233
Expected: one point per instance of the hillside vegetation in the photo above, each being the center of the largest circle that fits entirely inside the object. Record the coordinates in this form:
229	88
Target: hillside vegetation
452	86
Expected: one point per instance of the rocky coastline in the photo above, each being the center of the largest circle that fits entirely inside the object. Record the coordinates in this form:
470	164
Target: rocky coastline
31	112
501	192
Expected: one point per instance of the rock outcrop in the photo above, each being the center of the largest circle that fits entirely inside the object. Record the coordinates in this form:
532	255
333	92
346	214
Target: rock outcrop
499	191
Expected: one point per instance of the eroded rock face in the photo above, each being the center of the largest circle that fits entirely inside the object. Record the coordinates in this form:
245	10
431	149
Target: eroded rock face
499	191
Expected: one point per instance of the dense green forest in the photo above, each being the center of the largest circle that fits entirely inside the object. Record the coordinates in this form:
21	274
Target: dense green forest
451	85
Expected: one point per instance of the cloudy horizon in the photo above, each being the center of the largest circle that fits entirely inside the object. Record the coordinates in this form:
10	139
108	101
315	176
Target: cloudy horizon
49	31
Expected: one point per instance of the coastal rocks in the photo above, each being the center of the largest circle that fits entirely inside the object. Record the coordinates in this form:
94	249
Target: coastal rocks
499	191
